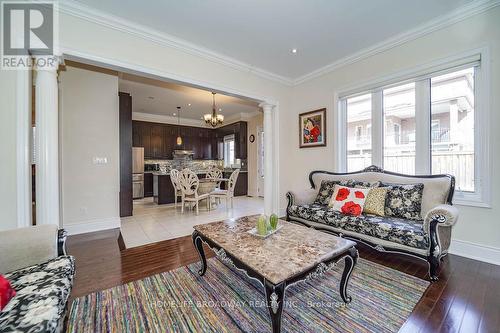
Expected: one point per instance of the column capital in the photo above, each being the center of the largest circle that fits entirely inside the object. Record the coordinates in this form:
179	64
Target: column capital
266	106
48	63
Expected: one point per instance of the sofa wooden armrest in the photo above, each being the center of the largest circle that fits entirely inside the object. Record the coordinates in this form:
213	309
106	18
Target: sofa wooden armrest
445	215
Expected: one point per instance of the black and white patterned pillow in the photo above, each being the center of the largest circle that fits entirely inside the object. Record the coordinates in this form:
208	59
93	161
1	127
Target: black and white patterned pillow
328	186
42	292
403	200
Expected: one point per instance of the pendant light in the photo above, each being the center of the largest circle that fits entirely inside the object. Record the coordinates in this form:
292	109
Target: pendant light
179	139
213	119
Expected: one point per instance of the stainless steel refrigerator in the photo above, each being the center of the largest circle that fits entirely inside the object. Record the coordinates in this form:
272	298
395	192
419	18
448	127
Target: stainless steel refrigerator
137	172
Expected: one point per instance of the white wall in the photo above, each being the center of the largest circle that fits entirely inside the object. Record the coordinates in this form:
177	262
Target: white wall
252	151
476	225
8	187
89	127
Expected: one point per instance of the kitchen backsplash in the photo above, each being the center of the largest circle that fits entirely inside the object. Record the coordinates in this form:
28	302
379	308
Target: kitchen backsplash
195	165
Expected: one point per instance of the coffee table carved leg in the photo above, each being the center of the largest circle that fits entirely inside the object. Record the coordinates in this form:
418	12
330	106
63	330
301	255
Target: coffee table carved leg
198	244
350	261
275	298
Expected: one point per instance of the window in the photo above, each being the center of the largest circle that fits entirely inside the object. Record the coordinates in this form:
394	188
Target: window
452	105
423	124
359	145
399	130
228	150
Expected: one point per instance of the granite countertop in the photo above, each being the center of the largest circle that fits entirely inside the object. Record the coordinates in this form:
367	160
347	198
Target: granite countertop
231	170
198	172
159	173
291	250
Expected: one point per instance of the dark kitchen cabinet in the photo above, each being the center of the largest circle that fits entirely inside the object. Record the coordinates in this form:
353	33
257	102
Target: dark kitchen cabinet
163	190
241	187
148	184
239	130
159	140
241	141
169	141
125	138
141	137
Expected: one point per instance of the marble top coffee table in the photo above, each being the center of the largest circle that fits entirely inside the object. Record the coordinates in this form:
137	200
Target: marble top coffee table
294	253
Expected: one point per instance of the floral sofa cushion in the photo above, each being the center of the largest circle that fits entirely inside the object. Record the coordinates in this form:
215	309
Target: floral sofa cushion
403	200
328	187
401	231
41	295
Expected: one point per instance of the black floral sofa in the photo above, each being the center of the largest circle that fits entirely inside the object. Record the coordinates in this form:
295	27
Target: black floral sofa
427	237
34	261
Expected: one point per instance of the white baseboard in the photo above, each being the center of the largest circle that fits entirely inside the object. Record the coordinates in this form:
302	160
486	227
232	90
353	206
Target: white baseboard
83	227
474	251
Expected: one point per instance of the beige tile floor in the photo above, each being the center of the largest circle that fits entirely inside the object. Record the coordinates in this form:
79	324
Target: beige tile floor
152	223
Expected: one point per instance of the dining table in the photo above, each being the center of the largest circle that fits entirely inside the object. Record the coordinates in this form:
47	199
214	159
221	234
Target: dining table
208	185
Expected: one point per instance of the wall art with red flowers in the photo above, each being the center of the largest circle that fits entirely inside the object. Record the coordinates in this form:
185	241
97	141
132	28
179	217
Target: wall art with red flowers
348	200
312	126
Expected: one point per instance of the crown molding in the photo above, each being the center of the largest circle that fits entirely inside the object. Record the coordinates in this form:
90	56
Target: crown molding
460	14
89	14
164	119
81	11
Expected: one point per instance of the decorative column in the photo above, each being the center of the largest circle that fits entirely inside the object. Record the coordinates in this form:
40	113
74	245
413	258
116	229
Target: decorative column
268	158
47	144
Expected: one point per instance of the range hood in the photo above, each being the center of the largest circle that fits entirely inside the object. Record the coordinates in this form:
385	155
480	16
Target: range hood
183	154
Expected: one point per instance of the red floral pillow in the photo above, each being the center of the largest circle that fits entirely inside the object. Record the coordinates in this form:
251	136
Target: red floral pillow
348	200
6	292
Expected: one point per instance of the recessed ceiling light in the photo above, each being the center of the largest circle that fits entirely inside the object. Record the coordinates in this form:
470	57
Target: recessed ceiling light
175	114
294	51
189	104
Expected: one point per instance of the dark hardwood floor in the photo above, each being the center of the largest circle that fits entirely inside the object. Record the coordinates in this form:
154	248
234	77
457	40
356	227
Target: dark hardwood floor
465	299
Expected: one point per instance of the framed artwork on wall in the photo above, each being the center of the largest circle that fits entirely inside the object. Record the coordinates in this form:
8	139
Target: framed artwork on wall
312	126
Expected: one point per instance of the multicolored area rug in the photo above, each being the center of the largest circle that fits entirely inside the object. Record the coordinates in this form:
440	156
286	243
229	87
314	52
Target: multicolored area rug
225	300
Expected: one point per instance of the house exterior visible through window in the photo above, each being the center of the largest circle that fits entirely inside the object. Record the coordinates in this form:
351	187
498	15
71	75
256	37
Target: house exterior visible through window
228	151
399	130
452	144
359	144
425	125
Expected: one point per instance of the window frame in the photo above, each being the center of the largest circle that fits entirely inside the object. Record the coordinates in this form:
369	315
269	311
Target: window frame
421	75
228	139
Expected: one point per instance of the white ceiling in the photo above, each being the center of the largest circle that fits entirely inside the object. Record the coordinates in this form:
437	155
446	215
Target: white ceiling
167	96
261	33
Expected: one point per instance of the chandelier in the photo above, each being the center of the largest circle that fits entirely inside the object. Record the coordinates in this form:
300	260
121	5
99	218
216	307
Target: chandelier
213	119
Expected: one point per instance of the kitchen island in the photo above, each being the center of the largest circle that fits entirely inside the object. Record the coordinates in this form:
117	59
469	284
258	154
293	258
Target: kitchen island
163	190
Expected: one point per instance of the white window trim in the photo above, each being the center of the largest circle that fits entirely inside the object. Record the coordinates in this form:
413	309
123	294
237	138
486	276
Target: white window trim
482	171
482	196
378	127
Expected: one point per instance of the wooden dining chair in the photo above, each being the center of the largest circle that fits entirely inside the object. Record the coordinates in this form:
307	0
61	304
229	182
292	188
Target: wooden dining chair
229	192
174	178
189	183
